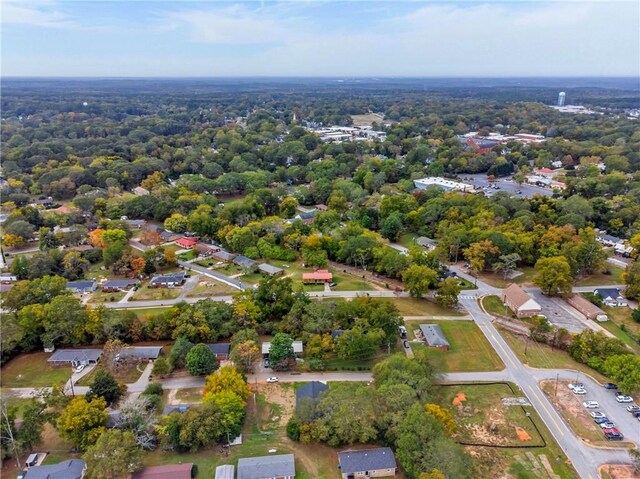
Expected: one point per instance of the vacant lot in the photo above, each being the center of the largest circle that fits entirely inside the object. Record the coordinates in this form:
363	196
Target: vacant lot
611	276
100	297
367	119
33	370
127	373
622	317
422	307
145	293
210	287
483	416
542	356
468	350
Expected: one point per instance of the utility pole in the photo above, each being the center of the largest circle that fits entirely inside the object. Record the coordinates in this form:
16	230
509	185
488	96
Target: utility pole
555	394
388	347
11	438
526	345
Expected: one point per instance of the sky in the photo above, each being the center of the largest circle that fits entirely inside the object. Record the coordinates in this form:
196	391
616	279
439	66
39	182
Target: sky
182	38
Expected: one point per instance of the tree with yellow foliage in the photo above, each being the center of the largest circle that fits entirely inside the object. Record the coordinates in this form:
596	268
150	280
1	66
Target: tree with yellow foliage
443	416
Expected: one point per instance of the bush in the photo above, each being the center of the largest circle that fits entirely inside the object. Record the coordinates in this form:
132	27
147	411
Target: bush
635	315
106	386
161	367
153	389
293	429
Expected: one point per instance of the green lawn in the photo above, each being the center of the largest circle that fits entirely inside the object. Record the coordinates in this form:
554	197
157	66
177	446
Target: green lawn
493	305
407	240
498	281
624	336
210	287
488	461
468	350
101	297
142	312
421	307
32	370
189	395
145	293
622	317
542	356
189	255
611	276
128	373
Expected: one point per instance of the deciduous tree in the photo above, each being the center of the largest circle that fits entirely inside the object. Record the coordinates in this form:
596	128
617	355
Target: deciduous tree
418	279
83	422
553	275
200	360
115	454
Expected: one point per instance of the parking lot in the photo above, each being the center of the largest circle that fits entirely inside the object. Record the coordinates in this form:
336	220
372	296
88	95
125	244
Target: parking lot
559	313
480	180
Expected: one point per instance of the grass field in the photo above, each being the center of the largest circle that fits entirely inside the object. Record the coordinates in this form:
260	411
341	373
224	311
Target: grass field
189	395
421	307
100	297
145	293
468	350
126	374
542	356
407	240
622	316
32	370
487	461
493	305
624	336
498	281
209	287
611	276
142	312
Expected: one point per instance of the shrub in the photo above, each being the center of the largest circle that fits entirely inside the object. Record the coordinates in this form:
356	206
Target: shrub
161	367
153	389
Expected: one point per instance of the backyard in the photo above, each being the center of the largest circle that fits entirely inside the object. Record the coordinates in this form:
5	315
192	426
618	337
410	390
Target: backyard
145	293
127	373
469	350
33	370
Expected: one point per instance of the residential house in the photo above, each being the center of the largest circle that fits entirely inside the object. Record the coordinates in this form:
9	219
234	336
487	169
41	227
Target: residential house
221	350
139	353
519	301
434	337
244	262
170	280
139	224
223	255
169	471
205	250
81	286
609	240
270	270
187	243
118	285
322	208
75	357
46	202
280	466
586	307
319	276
376	462
298	348
310	393
140	191
611	296
71	469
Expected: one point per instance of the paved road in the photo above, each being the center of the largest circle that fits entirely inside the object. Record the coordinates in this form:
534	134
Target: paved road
228	280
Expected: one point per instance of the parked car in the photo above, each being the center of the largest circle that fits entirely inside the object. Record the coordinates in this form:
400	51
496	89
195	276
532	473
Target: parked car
610	386
596	414
591	404
573	386
266	363
636	414
601	420
607	425
624	399
633	408
613	434
79	369
579	391
332	285
272	379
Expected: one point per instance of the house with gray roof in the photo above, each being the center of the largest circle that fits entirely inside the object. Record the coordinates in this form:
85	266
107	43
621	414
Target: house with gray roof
434	336
244	262
223	255
140	353
226	471
426	242
281	466
75	357
270	269
611	296
81	286
377	462
170	280
309	394
71	469
118	285
221	350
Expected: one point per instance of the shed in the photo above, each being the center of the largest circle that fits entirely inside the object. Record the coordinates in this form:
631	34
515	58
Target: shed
226	471
281	466
169	471
434	336
75	357
270	270
297	348
376	462
519	301
586	307
221	350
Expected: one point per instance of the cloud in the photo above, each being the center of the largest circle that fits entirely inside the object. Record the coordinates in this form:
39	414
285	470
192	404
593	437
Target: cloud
40	15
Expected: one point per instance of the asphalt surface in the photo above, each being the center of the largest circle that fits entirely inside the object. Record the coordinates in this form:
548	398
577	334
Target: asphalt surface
506	184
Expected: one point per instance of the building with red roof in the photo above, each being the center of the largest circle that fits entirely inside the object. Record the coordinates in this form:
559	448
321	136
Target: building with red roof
187	242
319	276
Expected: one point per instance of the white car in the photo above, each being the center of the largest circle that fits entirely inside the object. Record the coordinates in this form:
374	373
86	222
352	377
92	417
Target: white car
573	386
596	414
591	404
624	399
580	391
79	369
607	425
273	379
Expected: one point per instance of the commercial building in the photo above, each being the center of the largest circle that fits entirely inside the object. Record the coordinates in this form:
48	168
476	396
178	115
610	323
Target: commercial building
519	301
587	308
445	184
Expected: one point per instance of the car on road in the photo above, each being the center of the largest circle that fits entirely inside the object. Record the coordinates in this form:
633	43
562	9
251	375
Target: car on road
607	425
266	363
597	414
591	404
601	420
79	369
624	399
580	391
609	386
272	379
573	386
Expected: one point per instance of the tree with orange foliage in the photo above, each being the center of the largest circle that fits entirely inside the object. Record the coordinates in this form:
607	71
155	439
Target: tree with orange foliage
137	266
95	238
151	238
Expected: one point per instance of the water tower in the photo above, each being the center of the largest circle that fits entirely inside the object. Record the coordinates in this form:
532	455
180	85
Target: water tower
561	98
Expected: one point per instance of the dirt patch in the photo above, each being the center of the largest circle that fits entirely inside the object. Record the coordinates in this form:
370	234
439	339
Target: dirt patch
617	471
459	399
282	396
522	434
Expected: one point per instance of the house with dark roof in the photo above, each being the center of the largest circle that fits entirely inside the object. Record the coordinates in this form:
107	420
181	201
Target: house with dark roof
75	357
135	223
426	242
309	394
221	350
223	255
139	353
376	462
118	285
169	471
434	337
81	286
171	280
609	240
281	466
611	296
180	408
270	270
71	469
520	302
244	262
205	250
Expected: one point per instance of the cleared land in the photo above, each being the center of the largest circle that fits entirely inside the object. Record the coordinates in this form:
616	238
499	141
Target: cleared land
542	356
367	119
612	275
145	293
101	297
481	416
209	287
469	350
33	370
127	373
421	307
